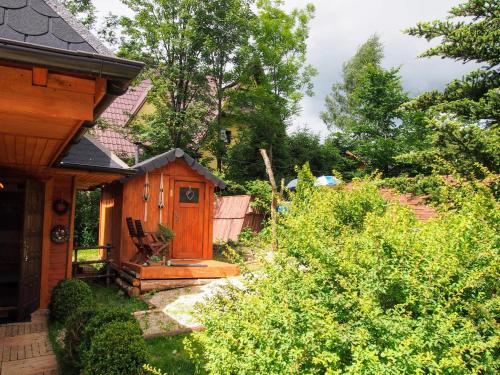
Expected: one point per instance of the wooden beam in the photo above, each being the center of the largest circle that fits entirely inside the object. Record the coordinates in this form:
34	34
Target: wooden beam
45	262
100	89
40	76
18	95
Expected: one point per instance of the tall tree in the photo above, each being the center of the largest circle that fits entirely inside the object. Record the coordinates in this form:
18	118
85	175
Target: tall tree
464	117
226	26
470	33
276	77
339	113
166	35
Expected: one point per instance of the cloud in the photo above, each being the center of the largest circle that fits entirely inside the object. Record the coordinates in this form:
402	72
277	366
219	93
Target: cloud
340	26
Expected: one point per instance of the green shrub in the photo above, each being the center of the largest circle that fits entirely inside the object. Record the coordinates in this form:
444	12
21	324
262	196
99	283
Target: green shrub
359	286
68	296
101	318
117	349
73	334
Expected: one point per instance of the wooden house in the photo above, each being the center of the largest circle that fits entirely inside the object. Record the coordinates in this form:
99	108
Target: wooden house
171	189
56	79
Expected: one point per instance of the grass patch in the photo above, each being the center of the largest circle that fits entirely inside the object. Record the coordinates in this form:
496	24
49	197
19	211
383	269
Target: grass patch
90	254
168	354
112	296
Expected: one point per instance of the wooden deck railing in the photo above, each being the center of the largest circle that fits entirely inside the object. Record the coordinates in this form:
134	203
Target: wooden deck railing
106	262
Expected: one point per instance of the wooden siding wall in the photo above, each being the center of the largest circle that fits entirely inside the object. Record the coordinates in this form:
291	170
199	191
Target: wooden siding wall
129	203
56	258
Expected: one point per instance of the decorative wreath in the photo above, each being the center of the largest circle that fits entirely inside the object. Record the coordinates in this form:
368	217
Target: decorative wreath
59	234
60	206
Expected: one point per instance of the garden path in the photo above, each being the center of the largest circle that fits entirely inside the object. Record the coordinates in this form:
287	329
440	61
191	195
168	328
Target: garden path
173	311
25	348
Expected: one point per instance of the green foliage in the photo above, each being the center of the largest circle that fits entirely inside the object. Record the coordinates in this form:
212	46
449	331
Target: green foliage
102	317
459	147
470	33
363	111
474	38
262	194
338	113
118	348
360	286
87	217
69	295
83	10
73	334
166	232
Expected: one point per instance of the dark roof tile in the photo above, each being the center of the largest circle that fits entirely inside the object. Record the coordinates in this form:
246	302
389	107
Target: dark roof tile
8	33
27	21
89	153
47	39
169	156
13	4
84	47
41	7
50	20
64	32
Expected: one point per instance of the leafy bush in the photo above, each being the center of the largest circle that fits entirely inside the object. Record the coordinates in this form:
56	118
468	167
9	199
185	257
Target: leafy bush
73	334
100	318
359	286
87	217
68	296
118	348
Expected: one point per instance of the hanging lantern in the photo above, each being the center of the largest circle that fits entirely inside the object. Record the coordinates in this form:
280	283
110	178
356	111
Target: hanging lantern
161	198
146	197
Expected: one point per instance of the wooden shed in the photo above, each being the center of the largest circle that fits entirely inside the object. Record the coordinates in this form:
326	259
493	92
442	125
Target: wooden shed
174	190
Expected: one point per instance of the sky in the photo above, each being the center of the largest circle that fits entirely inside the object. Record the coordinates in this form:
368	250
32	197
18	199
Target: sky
340	26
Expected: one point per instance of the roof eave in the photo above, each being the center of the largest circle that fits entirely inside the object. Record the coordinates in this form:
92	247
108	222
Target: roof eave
69	61
94	168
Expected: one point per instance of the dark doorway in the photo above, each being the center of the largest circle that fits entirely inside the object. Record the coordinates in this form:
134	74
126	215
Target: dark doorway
21	223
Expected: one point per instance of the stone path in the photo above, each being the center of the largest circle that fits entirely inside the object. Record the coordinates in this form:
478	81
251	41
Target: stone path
25	348
173	311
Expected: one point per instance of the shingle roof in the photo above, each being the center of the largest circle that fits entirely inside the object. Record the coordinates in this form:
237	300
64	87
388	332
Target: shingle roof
46	23
118	115
89	153
172	155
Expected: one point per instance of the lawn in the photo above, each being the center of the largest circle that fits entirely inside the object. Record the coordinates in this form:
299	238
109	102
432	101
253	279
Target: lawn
168	354
165	353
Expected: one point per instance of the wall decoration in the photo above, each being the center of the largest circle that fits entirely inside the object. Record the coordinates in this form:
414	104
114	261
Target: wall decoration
60	206
59	234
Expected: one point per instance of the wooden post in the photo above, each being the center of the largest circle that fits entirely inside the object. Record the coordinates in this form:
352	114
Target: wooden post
108	267
274	198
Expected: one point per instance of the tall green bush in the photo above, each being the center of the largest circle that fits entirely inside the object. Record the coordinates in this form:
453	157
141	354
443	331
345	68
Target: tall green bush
117	349
74	327
99	319
69	295
359	286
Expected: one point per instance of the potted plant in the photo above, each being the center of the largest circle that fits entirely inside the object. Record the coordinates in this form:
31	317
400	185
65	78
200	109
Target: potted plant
166	234
155	260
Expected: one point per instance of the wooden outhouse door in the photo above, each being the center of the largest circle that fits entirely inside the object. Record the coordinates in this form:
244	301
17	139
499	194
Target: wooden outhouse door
31	251
188	220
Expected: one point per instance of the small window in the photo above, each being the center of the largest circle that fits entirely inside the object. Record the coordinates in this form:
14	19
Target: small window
189	195
226	136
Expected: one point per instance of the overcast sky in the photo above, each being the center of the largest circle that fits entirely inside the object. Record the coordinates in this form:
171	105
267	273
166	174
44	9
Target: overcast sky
340	26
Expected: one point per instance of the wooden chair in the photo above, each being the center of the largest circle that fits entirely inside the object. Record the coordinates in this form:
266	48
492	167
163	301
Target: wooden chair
152	242
142	252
